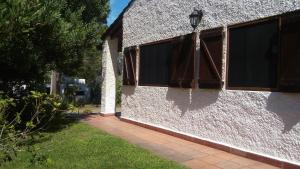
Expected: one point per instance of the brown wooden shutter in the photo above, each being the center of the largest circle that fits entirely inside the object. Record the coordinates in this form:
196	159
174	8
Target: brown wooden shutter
211	52
290	53
182	62
129	67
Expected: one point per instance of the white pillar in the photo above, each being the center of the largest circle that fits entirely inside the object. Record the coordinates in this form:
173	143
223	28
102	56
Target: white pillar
109	71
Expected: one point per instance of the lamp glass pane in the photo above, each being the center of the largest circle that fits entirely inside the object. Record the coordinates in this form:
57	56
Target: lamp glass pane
193	21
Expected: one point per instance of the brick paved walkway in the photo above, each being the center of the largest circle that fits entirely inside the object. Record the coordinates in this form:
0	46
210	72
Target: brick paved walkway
190	154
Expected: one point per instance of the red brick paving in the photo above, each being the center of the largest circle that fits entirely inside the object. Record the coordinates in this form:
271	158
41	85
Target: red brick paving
187	153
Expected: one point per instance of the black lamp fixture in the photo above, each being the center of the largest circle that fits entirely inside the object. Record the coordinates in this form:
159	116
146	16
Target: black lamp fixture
195	18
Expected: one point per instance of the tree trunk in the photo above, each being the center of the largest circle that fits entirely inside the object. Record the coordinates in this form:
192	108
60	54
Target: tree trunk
55	83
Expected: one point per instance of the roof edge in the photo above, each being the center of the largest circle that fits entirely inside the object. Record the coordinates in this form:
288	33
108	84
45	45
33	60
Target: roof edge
116	23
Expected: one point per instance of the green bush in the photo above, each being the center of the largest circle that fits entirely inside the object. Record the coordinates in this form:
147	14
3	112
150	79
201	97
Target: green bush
87	111
119	92
22	117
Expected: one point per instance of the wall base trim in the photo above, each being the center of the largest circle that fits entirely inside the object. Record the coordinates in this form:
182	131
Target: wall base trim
257	157
107	114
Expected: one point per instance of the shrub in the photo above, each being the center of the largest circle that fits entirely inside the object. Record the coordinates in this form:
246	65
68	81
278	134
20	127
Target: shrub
87	111
21	117
119	92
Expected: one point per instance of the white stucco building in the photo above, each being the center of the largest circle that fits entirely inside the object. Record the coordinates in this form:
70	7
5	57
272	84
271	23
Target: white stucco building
232	85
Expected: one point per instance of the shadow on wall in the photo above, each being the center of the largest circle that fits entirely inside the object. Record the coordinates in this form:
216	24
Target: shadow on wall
113	49
191	99
287	107
128	90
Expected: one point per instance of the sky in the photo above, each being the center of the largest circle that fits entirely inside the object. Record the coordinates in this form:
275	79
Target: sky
117	7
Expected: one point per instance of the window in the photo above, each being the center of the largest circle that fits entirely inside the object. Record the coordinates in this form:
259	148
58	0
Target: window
154	64
253	55
168	63
290	53
129	67
211	52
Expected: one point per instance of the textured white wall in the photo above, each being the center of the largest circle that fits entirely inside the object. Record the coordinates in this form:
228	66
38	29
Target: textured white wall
151	20
260	122
109	66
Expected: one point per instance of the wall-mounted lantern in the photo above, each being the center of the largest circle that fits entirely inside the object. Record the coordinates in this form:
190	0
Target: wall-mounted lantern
195	18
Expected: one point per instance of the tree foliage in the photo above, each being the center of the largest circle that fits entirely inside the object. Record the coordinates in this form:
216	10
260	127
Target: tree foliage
42	35
93	9
37	36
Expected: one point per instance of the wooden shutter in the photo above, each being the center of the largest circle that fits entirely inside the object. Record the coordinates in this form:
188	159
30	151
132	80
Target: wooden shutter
129	67
182	63
290	53
211	52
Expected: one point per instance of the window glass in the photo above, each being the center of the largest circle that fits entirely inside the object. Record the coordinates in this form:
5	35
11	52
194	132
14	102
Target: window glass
155	64
253	55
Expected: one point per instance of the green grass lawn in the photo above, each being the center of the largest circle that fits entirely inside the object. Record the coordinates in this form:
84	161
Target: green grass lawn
80	146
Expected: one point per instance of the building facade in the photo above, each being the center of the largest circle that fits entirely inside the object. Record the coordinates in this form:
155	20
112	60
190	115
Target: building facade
235	82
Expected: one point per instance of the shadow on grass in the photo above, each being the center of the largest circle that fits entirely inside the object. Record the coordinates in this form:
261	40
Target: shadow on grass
65	121
69	119
56	125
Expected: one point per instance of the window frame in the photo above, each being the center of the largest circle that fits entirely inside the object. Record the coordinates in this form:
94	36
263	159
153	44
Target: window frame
245	24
